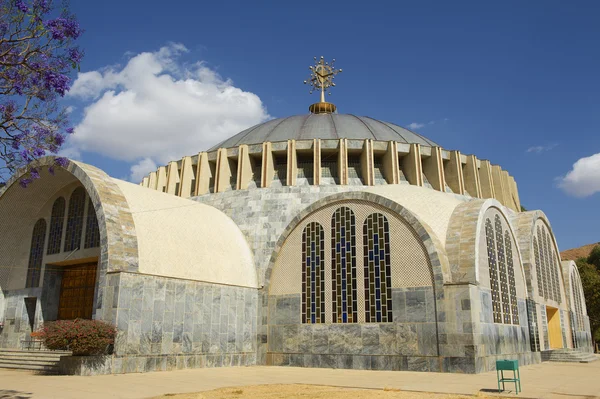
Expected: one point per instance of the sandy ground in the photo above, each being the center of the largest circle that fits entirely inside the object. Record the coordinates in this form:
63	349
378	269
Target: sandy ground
309	391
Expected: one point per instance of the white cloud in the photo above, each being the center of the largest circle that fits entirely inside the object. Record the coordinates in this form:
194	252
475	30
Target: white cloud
415	125
584	179
541	148
141	169
157	109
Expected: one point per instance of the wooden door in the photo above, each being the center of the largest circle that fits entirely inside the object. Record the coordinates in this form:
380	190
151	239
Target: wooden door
77	292
554	330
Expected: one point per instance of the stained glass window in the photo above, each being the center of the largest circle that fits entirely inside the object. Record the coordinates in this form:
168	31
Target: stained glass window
504	294
56	226
510	267
377	269
343	266
75	220
92	233
313	274
494	285
36	254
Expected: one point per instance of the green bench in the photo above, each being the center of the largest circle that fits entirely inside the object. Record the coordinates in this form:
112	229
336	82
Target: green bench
508	365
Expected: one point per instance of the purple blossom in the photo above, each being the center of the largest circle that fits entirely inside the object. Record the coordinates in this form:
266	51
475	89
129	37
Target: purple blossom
70	130
75	55
51	170
63	28
21	6
62	162
34	173
24	182
38	152
57	82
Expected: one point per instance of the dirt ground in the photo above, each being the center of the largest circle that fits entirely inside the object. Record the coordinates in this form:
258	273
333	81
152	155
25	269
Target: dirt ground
309	391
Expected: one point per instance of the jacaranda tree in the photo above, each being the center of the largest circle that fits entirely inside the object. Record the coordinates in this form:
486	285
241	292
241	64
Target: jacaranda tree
37	55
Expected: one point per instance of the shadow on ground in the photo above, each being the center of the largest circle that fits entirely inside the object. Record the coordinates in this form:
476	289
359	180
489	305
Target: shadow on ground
10	394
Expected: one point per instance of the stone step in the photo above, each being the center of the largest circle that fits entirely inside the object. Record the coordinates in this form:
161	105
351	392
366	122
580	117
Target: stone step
55	356
45	351
28	362
48	369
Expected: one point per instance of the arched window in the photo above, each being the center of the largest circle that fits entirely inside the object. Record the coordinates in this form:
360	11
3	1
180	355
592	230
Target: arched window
343	266
75	220
377	268
543	265
493	268
313	274
36	253
546	266
538	267
56	226
92	232
510	267
504	294
555	267
575	284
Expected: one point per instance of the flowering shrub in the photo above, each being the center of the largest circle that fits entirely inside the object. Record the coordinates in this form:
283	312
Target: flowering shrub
82	337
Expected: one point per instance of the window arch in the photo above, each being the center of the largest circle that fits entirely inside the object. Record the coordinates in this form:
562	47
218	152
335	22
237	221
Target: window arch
546	266
92	232
493	269
343	266
514	307
577	295
377	269
313	274
75	220
36	254
56	226
503	287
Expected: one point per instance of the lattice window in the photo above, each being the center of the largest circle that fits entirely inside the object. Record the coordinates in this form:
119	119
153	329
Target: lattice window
577	299
538	271
75	220
491	249
377	269
56	226
504	294
343	266
510	267
555	267
92	232
36	254
543	265
313	274
534	336
549	274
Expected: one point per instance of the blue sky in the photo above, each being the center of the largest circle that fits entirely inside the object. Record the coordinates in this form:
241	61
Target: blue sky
494	79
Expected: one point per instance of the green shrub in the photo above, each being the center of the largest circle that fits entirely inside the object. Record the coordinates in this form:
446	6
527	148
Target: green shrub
82	337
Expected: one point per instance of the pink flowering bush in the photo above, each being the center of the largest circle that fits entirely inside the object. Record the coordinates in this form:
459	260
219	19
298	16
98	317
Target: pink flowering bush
82	337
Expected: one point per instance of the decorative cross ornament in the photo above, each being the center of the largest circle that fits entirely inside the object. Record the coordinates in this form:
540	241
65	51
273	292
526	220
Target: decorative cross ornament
322	75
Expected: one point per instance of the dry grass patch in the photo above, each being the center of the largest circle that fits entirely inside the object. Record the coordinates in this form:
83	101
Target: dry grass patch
310	391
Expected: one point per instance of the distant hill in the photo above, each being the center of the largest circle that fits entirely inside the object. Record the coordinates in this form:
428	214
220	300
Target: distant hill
575	253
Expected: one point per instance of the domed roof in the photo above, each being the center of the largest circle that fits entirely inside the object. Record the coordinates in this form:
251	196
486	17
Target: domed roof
324	126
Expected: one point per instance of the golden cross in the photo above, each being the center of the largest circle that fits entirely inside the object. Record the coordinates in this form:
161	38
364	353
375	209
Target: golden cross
321	76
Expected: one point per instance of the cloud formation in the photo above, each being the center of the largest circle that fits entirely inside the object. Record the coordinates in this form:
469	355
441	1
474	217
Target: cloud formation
415	125
541	148
583	179
156	109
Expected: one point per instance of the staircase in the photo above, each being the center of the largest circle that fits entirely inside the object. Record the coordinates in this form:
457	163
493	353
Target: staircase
43	361
568	355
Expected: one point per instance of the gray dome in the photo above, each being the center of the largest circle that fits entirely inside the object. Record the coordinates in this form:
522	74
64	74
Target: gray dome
324	126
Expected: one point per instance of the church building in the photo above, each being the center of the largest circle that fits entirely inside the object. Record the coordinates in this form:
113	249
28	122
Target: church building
315	240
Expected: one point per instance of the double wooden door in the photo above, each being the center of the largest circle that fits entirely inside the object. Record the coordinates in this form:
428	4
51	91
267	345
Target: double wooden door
77	292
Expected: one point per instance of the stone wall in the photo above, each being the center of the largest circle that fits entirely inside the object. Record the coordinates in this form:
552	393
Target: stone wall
407	343
179	320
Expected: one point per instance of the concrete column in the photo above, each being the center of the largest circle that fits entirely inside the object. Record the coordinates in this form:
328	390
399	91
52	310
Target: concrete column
499	188
453	173
472	178
317	162
292	164
172	178
244	168
268	166
145	181
433	168
485	178
152	180
366	163
390	164
411	165
224	173
515	193
508	198
187	177
204	174
161	181
343	162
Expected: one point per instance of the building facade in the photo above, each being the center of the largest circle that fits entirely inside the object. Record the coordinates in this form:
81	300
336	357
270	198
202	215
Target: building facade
319	240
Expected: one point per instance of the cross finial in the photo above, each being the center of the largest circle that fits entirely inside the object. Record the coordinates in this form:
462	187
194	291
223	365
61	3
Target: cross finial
322	76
